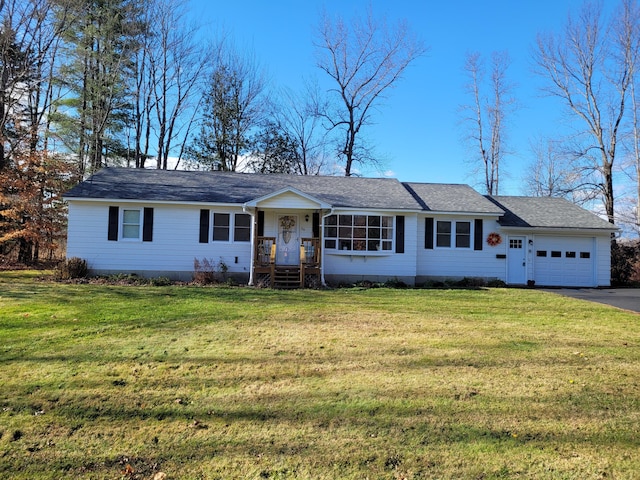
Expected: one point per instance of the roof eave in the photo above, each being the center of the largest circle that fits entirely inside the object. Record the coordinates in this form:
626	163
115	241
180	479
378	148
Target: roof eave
563	230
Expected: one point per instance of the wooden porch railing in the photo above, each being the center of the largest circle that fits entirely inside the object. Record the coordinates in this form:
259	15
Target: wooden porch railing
310	262
264	262
265	259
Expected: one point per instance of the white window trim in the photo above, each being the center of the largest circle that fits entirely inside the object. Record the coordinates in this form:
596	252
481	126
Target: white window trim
365	252
122	225
232	228
453	234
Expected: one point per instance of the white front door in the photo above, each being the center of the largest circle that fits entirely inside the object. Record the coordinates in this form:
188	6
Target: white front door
517	261
288	242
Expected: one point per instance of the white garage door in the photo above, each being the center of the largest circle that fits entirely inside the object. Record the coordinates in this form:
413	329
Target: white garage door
564	261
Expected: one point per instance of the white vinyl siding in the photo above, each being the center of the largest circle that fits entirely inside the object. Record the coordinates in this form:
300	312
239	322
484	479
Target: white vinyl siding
452	263
175	241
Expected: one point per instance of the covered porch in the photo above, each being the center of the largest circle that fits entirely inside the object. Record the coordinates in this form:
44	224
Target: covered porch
268	272
287	239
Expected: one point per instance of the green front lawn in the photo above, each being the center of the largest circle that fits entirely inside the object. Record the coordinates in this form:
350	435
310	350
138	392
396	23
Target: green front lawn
201	383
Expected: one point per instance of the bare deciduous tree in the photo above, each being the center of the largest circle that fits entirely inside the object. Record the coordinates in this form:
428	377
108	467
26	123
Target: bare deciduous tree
177	64
297	116
364	59
635	149
590	67
554	172
487	114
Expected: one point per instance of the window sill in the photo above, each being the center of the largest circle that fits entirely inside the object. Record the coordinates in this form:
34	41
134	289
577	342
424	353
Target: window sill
360	253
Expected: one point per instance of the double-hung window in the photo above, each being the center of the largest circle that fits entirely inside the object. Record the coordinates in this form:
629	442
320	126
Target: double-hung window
445	230
131	224
242	227
443	234
225	223
463	234
221	223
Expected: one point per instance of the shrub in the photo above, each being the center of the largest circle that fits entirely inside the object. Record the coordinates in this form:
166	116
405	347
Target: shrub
471	282
207	271
625	263
71	268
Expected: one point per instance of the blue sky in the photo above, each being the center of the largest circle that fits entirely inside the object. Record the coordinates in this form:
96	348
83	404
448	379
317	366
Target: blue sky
417	130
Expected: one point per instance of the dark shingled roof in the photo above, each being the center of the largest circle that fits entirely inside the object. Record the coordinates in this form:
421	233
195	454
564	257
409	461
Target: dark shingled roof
439	197
547	212
346	192
227	187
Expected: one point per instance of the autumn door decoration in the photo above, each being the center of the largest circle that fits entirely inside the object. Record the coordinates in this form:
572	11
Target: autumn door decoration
287	223
494	239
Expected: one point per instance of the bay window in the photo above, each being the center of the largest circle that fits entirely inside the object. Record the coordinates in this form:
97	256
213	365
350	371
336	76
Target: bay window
366	233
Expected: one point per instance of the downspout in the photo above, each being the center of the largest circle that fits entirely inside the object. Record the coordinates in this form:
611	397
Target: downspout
252	241
322	281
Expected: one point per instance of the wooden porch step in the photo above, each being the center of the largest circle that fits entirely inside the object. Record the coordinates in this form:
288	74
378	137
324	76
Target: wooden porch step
286	277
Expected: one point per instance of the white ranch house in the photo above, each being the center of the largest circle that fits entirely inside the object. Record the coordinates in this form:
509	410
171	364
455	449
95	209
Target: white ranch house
288	231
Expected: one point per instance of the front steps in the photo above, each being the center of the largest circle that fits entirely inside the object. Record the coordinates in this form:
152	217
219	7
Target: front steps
286	277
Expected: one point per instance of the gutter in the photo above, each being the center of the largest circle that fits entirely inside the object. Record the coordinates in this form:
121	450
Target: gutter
322	280
252	241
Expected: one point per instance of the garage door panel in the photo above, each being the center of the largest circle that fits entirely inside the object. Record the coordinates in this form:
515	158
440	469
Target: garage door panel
564	261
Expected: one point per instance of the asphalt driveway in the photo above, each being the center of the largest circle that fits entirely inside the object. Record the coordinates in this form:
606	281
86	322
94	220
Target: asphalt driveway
626	298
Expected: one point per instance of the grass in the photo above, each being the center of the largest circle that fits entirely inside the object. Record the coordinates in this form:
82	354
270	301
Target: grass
112	382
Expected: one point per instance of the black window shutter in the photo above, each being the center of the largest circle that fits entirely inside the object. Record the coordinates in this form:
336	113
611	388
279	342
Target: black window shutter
113	224
147	225
204	226
316	225
400	234
428	233
478	236
260	223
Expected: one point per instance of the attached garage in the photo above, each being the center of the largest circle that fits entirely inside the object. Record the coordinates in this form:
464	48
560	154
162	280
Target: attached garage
567	246
564	261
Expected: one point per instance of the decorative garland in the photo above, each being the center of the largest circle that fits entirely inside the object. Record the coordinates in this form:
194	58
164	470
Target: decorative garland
494	239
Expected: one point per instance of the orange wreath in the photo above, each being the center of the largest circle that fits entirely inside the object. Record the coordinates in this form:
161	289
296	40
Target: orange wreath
494	239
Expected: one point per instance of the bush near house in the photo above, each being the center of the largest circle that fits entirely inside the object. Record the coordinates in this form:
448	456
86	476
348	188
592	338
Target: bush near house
625	263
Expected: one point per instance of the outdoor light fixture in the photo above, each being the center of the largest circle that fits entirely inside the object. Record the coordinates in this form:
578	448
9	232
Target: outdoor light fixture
306	217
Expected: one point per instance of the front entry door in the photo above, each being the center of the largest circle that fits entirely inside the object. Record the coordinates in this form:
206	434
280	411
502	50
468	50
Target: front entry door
288	242
517	261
